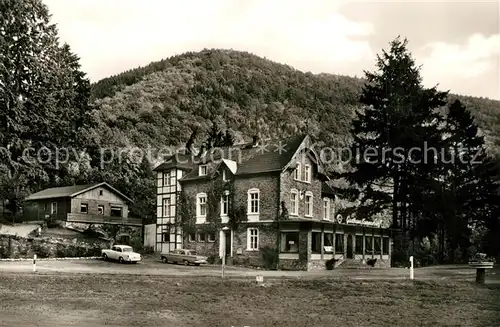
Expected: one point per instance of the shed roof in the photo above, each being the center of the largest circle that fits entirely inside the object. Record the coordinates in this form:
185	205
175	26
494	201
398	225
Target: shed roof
71	191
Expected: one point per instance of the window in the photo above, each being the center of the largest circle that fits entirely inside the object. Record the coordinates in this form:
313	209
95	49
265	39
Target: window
359	244
290	242
211	237
328	242
385	245
53	207
116	211
191	237
368	245
309	204
100	209
339	243
253	239
201	205
316	242
224	206
307	173
203	170
166	207
326	209
377	248
294	202
165	237
224	176
202	237
166	179
101	192
296	173
253	201
84	208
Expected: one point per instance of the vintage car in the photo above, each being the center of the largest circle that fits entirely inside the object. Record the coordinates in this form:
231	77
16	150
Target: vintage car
183	256
121	253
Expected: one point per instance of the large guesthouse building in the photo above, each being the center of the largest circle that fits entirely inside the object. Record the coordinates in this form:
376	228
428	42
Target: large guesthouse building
267	205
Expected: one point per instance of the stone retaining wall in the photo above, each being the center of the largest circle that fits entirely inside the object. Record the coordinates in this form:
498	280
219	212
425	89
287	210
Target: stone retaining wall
15	247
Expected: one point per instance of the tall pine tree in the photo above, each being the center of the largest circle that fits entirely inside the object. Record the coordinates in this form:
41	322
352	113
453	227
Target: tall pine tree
398	122
43	101
468	188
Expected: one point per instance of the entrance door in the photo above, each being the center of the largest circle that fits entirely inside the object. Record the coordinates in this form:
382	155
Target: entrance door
350	247
227	235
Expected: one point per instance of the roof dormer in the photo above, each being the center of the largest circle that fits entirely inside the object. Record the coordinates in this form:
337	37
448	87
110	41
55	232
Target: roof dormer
202	170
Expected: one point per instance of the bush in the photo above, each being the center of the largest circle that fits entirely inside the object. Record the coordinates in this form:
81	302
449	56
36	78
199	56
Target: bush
270	257
136	243
330	264
212	259
51	221
148	250
91	233
4	251
74	251
41	250
22	250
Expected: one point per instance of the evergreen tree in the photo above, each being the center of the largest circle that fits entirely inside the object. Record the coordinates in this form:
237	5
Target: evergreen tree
217	139
468	186
43	100
398	121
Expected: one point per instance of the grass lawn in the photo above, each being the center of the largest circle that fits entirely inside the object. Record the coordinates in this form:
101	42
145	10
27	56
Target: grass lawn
105	300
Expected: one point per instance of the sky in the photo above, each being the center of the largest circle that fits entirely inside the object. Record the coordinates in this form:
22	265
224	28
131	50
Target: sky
456	42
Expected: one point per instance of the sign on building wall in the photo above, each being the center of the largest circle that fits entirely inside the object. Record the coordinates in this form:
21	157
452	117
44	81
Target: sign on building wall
361	222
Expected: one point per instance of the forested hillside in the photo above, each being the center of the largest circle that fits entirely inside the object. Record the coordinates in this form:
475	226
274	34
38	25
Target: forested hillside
161	103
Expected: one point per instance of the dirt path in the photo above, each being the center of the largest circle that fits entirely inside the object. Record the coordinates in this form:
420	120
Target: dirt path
156	268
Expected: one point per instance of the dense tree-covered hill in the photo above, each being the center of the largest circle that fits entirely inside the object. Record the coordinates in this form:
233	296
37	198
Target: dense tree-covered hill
161	104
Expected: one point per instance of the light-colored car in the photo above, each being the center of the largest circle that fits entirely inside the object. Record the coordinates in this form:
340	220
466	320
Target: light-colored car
183	256
121	253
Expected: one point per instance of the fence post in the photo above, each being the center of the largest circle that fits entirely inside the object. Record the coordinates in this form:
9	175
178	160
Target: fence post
223	262
34	263
411	267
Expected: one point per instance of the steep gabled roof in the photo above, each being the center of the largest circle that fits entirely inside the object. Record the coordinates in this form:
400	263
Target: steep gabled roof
180	160
231	165
271	156
71	191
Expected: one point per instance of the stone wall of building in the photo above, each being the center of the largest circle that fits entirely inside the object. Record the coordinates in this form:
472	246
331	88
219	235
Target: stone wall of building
207	248
289	264
288	183
267	184
266	256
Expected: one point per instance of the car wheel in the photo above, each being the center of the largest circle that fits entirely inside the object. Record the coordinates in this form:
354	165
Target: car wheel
105	257
120	260
185	262
164	259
